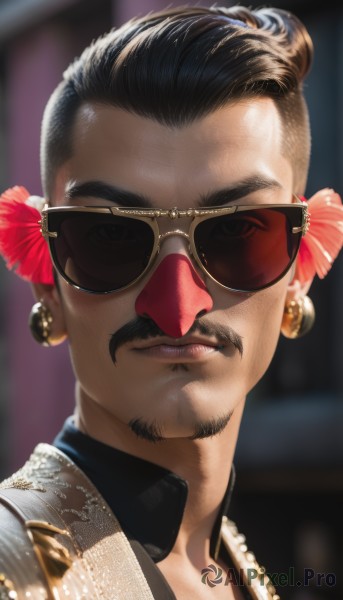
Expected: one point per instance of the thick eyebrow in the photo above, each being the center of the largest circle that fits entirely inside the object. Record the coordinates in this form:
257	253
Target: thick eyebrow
99	189
238	190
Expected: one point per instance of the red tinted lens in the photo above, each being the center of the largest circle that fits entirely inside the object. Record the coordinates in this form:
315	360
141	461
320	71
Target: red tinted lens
99	252
251	249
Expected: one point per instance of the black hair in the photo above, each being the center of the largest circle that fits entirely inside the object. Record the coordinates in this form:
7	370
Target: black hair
180	64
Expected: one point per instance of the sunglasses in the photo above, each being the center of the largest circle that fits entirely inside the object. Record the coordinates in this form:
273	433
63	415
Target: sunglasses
242	248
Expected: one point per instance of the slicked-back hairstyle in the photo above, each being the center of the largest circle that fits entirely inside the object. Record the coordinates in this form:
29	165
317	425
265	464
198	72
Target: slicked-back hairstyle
180	64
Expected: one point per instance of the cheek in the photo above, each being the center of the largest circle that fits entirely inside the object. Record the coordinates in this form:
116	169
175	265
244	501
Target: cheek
262	337
90	322
257	319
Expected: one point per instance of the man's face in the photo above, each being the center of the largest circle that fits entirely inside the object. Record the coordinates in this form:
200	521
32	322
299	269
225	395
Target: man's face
175	167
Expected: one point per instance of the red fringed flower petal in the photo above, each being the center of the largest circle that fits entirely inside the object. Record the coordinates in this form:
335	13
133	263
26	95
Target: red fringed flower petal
324	238
21	242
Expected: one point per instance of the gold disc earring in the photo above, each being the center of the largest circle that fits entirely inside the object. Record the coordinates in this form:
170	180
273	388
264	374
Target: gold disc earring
298	317
40	321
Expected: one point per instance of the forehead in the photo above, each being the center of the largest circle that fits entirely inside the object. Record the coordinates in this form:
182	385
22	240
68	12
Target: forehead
141	155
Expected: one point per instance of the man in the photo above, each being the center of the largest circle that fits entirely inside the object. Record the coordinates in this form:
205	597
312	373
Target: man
171	155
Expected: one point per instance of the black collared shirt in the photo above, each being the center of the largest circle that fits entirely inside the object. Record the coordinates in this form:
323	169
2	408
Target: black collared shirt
148	500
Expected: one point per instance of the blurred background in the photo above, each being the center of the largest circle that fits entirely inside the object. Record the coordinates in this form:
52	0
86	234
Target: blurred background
289	460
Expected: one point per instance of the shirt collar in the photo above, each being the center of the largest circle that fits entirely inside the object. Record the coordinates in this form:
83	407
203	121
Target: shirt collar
148	500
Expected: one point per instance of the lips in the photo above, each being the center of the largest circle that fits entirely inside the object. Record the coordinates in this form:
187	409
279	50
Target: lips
188	348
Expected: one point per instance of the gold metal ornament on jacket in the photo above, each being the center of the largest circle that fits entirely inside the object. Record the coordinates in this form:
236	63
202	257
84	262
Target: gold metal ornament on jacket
72	545
298	317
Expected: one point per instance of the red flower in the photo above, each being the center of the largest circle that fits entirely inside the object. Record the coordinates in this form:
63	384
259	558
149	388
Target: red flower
21	242
324	238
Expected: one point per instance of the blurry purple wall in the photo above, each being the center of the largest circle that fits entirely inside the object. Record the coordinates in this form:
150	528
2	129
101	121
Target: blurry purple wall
41	379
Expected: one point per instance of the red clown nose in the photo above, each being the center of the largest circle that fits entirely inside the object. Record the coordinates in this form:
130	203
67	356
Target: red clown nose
174	296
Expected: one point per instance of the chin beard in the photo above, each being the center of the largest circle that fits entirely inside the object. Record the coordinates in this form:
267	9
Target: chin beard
152	432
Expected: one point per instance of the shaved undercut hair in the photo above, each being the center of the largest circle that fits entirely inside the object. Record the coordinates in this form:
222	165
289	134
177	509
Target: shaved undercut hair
180	64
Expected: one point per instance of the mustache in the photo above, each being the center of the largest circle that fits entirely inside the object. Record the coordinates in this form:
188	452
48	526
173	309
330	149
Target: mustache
142	328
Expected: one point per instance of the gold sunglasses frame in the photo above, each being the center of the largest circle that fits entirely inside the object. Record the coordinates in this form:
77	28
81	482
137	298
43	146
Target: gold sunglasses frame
150	216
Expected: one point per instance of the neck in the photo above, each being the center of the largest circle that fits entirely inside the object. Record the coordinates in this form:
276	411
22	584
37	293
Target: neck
205	464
